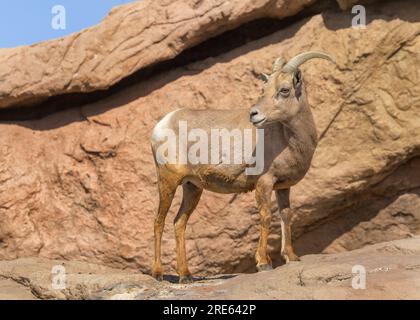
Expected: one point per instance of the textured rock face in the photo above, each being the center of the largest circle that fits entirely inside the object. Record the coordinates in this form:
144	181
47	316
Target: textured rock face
130	38
57	279
392	272
80	184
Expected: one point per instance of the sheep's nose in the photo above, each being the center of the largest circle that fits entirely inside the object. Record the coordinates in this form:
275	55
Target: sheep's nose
253	112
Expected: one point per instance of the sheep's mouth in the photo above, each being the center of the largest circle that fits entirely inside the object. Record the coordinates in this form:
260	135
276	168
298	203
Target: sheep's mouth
260	122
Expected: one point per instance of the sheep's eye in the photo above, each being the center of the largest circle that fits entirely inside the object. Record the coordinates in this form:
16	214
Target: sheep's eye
283	92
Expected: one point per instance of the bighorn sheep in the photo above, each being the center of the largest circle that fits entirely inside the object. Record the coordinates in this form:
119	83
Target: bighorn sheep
290	139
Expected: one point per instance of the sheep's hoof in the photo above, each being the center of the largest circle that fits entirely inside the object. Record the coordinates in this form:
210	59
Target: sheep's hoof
158	276
186	279
290	257
264	267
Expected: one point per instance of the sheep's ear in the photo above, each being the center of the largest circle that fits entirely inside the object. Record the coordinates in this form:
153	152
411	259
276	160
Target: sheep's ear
297	83
264	77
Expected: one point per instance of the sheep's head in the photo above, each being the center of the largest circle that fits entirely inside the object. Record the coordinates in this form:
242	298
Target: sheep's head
284	91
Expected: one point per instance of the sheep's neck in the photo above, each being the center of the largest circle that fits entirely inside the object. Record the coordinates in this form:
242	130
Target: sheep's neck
301	133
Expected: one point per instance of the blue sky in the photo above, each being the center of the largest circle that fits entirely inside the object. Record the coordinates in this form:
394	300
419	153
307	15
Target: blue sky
24	22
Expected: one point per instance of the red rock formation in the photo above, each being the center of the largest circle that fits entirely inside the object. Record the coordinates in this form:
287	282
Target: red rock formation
80	184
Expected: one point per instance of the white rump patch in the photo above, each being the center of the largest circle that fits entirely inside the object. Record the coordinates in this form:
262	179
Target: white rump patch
159	131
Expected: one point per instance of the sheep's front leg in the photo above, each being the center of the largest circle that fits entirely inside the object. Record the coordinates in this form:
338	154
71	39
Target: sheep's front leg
263	192
286	214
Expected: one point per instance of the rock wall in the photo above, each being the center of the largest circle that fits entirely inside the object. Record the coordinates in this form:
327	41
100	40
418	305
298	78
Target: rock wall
130	38
80	184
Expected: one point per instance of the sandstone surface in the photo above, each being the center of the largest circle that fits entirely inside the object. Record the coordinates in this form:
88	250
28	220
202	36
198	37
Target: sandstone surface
79	184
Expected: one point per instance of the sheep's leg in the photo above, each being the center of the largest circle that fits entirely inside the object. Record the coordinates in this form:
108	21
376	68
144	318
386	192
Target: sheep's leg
190	199
263	196
166	195
286	214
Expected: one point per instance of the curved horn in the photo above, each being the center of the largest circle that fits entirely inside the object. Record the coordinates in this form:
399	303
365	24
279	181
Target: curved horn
278	64
295	62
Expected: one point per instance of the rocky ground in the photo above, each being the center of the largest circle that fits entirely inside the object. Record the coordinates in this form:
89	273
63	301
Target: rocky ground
77	179
392	272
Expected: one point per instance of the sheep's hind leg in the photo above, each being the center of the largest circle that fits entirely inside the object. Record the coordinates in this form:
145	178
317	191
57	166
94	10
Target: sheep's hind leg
166	195
190	198
286	213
